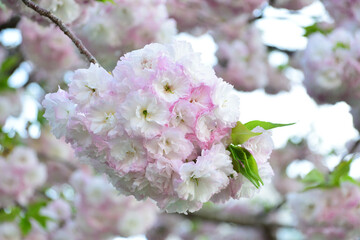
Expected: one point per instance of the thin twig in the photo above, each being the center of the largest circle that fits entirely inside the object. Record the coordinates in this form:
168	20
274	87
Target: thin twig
63	27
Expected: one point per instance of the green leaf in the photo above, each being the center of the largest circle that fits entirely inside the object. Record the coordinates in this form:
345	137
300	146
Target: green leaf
9	216
244	163
314	28
9	140
40	117
342	169
7	68
347	178
341	45
10	63
34	212
314	177
25	225
240	134
104	1
265	125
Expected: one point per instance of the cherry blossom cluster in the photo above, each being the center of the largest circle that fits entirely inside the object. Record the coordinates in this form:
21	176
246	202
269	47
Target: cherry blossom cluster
198	16
242	58
49	50
328	213
331	66
159	126
102	213
58	156
125	25
345	13
282	158
69	11
21	174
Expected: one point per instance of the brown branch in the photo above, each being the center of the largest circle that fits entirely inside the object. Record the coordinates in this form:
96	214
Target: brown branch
286	51
58	22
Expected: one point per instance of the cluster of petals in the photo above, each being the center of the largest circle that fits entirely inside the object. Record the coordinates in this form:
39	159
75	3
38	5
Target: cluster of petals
58	156
331	66
20	175
158	125
345	13
102	213
242	58
69	11
49	50
328	213
124	25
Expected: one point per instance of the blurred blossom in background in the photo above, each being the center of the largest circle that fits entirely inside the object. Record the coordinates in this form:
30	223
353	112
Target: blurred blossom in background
275	53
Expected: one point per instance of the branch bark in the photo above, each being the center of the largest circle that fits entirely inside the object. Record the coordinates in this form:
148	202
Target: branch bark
58	22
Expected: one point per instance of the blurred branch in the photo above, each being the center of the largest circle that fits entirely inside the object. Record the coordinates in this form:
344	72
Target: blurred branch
287	51
248	221
267	227
260	220
57	21
12	23
352	149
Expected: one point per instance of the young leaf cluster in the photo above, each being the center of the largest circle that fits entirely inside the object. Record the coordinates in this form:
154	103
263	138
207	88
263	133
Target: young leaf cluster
243	161
317	179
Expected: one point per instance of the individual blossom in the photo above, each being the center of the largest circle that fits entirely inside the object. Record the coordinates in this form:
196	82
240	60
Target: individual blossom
21	174
59	211
58	156
10	105
9	231
58	109
329	213
158	126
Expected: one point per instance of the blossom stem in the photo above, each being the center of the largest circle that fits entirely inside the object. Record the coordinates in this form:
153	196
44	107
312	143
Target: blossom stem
58	22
